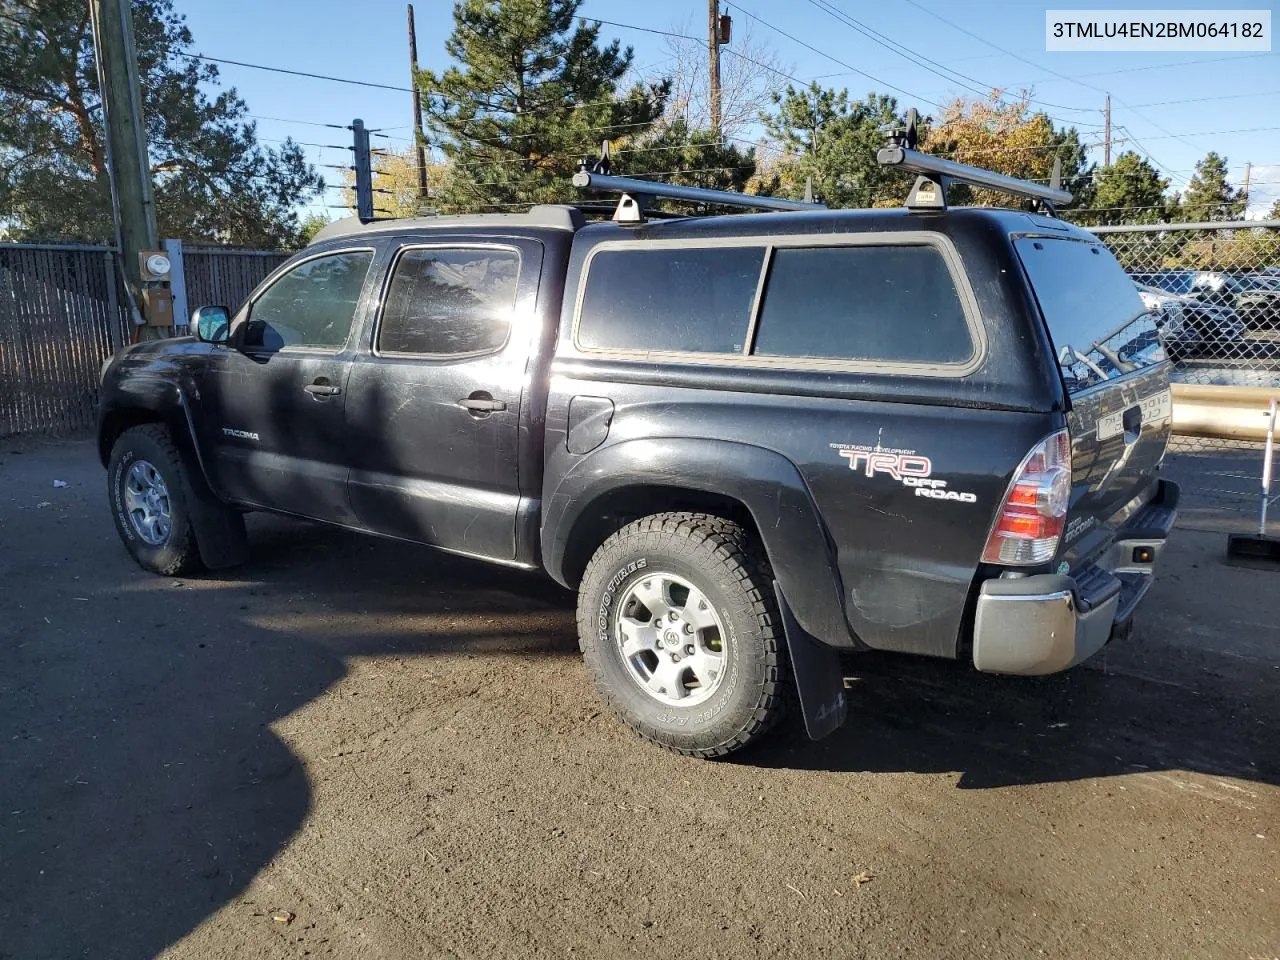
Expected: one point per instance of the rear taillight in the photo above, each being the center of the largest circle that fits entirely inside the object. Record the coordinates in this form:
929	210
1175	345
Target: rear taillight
1034	511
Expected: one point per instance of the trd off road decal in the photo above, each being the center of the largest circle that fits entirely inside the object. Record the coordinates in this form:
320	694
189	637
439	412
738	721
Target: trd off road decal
905	466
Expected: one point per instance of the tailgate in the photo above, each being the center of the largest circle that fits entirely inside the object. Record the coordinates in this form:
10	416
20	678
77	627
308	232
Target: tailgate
1113	368
1119	431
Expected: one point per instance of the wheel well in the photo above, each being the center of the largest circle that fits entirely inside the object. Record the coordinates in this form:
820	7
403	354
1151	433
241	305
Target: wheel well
117	422
613	511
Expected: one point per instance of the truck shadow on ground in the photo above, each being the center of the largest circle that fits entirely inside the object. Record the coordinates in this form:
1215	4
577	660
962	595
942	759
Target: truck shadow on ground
1115	716
143	787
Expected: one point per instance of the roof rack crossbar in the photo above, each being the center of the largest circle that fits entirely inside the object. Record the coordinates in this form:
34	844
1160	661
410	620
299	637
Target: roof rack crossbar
904	158
644	190
936	173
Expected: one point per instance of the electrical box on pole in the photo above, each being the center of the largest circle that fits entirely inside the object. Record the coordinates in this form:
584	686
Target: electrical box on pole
364	171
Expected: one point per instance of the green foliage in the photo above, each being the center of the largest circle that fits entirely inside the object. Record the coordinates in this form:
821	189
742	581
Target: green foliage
825	136
531	93
311	224
1131	190
213	181
674	153
1010	138
1208	195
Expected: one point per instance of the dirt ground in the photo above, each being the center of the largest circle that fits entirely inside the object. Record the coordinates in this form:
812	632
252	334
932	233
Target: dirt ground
400	754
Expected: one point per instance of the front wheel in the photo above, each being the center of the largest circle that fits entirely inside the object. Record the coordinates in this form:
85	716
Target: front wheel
151	500
679	626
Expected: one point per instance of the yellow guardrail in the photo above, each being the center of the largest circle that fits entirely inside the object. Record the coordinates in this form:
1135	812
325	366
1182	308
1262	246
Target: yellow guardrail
1227	413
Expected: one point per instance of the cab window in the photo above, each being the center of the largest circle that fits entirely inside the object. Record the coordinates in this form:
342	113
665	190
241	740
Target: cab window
310	305
450	302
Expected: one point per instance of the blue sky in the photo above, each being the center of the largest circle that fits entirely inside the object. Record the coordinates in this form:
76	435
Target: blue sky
366	41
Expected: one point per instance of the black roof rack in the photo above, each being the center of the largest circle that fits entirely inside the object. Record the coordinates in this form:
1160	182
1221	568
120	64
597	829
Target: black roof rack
930	189
637	194
929	192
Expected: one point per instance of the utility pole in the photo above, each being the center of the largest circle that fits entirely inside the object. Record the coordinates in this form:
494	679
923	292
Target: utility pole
363	163
1244	193
1106	134
128	166
713	62
418	138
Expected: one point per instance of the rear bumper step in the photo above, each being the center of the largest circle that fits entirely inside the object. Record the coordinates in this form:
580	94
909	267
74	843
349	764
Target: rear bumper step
1050	622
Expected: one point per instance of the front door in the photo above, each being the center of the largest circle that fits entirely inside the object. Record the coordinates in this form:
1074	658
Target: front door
273	401
436	400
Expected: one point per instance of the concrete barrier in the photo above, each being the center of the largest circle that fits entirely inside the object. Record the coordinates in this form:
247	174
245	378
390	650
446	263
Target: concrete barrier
1226	413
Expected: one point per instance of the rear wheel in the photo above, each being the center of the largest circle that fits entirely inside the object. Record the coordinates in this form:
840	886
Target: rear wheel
679	626
151	500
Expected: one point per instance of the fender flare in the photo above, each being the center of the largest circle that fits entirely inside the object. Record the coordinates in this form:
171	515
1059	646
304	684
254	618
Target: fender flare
766	483
168	402
220	539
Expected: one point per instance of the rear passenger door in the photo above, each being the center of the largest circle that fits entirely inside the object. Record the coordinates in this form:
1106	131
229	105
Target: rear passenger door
433	402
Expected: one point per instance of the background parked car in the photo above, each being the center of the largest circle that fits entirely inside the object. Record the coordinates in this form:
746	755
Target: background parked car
1254	297
1168	281
1191	328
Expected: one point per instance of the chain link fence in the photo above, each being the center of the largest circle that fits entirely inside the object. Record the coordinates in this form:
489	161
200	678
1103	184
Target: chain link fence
1215	289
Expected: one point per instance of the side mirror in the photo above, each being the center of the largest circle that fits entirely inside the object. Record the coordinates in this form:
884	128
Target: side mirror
213	324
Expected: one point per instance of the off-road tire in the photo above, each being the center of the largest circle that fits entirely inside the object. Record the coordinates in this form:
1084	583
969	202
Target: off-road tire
151	442
720	559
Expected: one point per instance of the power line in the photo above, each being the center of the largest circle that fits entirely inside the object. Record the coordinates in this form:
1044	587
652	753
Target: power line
1228	96
297	73
913	56
309	123
1154	66
685	36
847	66
1062	76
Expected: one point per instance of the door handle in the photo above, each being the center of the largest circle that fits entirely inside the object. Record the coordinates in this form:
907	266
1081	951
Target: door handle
482	403
322	388
1132	424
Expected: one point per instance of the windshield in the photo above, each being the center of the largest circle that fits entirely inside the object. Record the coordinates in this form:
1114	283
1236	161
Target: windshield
1099	325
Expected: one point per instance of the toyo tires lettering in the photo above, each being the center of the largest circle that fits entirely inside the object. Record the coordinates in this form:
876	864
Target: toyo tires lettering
606	601
117	496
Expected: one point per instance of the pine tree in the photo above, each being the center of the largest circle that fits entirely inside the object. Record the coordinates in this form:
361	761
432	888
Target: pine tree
1209	196
213	180
827	137
1131	190
531	94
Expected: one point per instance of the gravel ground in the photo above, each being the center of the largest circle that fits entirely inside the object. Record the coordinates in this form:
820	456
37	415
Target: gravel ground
358	748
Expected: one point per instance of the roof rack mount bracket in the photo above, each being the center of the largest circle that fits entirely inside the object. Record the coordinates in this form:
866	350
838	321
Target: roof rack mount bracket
928	193
631	209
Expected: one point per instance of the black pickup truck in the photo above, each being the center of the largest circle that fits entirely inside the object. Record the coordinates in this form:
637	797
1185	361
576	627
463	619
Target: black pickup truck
750	442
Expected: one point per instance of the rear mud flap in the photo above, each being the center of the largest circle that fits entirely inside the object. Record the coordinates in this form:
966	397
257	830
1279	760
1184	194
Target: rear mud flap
819	678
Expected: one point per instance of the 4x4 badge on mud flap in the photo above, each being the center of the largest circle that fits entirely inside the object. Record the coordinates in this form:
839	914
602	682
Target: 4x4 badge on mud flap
905	466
